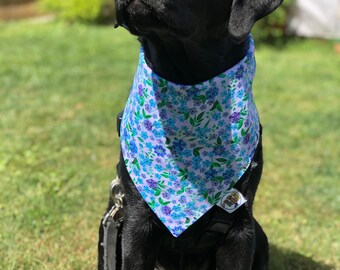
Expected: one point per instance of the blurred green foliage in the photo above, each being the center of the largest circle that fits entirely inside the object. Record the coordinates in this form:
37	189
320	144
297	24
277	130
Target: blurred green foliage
273	26
80	10
269	28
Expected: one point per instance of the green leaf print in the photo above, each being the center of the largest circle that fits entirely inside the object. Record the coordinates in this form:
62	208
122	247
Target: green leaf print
197	151
183	173
202	98
232	184
200	117
179	192
160	200
197	120
219	141
192	122
162	83
142	101
217	106
152	203
218	178
235	140
244	132
205	195
165	175
135	162
218	196
161	104
146	116
149	82
243	112
161	184
240	123
215	164
138	115
223	161
157	192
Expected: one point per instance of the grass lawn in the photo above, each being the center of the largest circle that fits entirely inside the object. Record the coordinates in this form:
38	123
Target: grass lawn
61	87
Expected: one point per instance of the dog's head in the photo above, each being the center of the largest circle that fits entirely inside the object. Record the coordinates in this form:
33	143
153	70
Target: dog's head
193	18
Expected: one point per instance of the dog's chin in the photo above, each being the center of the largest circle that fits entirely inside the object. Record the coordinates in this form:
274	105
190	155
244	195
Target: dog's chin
141	19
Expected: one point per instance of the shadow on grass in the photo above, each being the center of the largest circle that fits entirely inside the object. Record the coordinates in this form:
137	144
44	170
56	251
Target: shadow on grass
281	259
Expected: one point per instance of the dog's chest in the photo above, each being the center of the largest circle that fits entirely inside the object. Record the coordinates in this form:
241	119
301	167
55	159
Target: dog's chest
186	146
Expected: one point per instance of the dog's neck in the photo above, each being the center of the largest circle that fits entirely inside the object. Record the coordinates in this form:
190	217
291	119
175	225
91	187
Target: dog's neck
188	61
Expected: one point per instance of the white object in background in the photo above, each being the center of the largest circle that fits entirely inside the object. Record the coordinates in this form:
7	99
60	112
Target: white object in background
315	18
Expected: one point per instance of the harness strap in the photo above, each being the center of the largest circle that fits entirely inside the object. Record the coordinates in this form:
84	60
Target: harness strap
111	229
109	244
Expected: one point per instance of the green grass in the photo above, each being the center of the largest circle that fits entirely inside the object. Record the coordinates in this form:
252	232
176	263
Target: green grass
61	87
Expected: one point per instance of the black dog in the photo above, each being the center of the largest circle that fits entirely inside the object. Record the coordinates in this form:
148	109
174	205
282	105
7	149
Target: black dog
188	42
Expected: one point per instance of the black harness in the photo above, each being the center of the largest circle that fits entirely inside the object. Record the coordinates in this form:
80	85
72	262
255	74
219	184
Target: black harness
109	247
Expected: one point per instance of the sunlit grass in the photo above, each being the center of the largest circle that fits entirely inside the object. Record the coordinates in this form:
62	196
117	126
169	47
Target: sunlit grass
61	87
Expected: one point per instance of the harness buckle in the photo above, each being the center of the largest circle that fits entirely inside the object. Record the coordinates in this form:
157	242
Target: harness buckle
116	212
117	192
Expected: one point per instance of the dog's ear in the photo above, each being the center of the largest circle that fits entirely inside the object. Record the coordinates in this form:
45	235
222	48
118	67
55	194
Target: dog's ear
244	14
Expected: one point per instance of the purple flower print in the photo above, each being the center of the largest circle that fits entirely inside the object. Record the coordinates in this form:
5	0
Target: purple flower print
219	150
191	93
163	114
193	111
148	124
228	174
182	199
152	183
212	93
158	96
178	230
189	190
166	210
203	107
166	195
239	72
210	174
247	123
147	107
234	117
140	89
159	150
189	212
179	145
246	138
177	184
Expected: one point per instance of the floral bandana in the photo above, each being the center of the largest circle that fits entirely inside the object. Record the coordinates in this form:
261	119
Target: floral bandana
185	146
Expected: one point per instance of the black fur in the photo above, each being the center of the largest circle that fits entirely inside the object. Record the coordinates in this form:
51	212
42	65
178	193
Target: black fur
187	42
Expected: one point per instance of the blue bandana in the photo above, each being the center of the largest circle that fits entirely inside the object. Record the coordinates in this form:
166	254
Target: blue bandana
185	146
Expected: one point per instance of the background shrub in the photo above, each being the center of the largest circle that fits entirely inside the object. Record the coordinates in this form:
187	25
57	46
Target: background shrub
269	28
273	26
85	10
